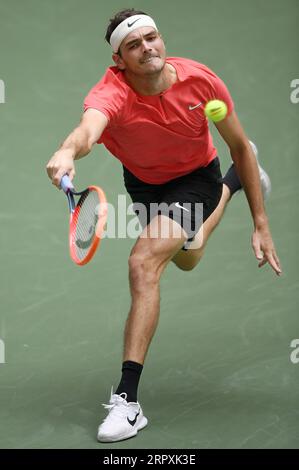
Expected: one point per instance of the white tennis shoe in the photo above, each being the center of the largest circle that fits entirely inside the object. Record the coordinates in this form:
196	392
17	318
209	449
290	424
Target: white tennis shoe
124	419
264	177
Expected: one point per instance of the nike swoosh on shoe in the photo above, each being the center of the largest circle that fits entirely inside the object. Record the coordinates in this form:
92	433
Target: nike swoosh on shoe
133	421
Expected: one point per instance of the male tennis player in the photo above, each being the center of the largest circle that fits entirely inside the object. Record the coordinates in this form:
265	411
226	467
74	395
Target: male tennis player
148	111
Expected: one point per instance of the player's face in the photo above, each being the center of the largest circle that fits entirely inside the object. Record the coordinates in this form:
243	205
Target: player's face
142	52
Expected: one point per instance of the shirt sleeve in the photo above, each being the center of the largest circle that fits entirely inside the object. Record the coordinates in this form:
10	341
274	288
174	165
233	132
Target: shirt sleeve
106	96
219	91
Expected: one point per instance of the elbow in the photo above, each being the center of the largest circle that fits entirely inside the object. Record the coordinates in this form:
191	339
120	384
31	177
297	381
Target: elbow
241	151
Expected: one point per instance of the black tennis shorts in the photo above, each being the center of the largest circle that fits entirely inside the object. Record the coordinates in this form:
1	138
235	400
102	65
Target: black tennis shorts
188	199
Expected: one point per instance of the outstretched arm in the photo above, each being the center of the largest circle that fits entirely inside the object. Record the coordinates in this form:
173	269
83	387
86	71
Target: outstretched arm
248	173
78	144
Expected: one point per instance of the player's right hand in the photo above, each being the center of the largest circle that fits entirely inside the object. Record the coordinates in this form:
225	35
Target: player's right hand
60	164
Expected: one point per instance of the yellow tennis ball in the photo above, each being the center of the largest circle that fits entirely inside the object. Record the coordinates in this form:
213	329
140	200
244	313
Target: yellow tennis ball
216	110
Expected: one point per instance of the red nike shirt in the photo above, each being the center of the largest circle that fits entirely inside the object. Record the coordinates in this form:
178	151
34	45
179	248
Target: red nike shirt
160	137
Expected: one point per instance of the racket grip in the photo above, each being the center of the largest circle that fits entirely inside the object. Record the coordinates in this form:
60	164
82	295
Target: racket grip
66	183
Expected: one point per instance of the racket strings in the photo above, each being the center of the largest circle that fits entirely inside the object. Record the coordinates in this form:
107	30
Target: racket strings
87	215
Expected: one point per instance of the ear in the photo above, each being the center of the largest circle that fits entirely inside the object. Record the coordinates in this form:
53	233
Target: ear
161	37
118	61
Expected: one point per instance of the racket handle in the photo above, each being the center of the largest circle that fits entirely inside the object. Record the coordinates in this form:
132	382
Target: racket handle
66	184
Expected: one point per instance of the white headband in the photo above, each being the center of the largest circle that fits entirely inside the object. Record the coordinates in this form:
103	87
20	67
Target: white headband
127	26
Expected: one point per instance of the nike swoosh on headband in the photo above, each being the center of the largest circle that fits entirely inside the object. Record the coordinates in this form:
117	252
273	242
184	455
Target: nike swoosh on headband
131	24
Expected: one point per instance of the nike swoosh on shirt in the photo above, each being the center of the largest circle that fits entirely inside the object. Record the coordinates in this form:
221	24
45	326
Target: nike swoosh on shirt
181	207
194	107
132	422
131	24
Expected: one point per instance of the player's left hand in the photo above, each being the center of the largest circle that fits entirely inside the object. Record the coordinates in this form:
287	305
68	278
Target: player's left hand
264	249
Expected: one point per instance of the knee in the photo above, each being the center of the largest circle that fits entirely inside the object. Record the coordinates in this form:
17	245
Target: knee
186	266
143	271
188	260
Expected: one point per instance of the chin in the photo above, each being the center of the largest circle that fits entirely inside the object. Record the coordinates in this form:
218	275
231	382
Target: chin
156	65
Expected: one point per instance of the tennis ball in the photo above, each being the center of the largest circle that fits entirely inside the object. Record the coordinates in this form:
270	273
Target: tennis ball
216	110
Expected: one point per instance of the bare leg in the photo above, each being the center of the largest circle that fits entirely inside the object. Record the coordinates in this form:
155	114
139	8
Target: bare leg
187	260
148	260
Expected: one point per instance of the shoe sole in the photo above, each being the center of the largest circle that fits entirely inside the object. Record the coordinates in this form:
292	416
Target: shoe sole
141	425
264	177
265	182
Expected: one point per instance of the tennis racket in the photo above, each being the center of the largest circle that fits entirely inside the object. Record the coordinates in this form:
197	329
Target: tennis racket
87	220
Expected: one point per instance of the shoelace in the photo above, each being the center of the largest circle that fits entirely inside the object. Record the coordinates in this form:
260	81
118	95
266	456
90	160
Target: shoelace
118	407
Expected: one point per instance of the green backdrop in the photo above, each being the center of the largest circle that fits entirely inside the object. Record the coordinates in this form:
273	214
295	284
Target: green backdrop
219	373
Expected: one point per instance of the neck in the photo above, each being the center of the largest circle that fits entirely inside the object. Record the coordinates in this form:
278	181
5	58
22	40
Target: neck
152	84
